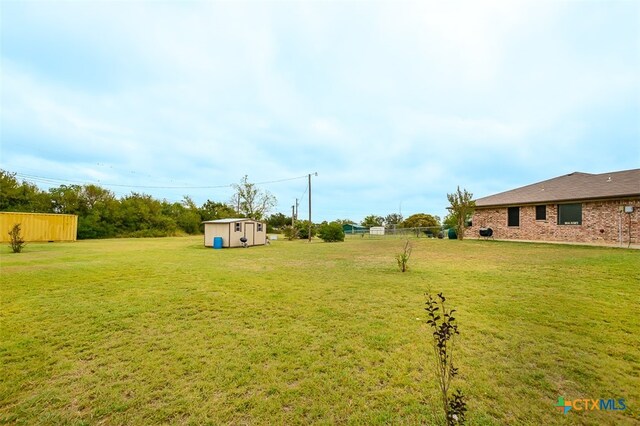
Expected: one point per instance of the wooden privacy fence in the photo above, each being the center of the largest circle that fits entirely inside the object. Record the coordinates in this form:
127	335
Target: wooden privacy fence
40	226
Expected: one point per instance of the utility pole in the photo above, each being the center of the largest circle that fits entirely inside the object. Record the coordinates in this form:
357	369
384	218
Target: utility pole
309	207
296	213
310	223
293	216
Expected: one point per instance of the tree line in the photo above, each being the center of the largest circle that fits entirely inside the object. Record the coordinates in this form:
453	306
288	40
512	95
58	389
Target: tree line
396	220
103	215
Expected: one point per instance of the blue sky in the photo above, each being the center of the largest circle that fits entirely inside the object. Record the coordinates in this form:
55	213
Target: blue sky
393	104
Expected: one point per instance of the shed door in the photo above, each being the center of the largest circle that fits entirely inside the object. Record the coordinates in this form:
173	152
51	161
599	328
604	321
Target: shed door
249	233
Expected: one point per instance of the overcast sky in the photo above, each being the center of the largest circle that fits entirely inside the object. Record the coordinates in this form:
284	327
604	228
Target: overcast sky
393	104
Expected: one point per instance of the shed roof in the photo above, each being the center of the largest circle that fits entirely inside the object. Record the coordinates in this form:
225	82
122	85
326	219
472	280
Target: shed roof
572	187
230	220
354	226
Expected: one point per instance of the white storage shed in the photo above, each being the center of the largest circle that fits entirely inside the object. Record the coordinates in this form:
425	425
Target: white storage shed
231	230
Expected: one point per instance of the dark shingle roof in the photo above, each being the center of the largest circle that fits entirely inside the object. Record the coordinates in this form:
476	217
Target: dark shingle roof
572	187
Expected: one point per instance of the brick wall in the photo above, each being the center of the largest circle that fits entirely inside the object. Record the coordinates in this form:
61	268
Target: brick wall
600	223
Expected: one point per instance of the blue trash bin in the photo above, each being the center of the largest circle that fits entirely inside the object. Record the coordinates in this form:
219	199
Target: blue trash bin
217	242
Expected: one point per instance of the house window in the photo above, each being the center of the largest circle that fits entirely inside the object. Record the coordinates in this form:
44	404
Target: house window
259	227
238	227
570	214
513	216
541	212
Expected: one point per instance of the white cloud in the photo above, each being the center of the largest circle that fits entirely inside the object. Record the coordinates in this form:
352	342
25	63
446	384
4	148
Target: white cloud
387	101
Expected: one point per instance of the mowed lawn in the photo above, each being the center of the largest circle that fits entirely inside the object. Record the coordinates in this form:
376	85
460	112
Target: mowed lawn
144	331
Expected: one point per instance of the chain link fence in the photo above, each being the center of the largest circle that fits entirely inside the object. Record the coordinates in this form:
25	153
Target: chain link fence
391	232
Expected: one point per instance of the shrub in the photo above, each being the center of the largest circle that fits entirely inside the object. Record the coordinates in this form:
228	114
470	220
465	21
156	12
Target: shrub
444	327
290	233
302	229
403	258
16	242
331	232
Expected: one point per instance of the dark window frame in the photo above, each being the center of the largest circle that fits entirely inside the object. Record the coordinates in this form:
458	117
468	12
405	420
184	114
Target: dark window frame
238	227
259	229
541	212
566	217
513	219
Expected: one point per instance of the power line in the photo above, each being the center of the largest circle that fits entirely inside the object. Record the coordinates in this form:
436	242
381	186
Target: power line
306	188
45	179
279	180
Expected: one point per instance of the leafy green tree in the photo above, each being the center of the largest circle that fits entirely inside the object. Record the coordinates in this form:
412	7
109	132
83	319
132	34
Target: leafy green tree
372	220
141	215
67	199
95	206
461	208
185	214
21	196
251	201
212	210
188	203
302	229
421	220
331	232
393	219
99	218
101	222
450	220
92	195
9	191
278	221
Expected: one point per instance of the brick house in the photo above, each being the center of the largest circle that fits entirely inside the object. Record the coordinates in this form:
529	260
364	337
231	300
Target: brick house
578	207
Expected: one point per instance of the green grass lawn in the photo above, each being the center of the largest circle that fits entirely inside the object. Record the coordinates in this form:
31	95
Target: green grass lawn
167	331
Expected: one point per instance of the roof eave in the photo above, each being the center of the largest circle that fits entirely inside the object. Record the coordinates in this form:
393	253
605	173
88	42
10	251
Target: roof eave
561	201
230	220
